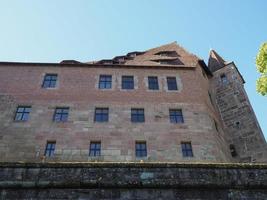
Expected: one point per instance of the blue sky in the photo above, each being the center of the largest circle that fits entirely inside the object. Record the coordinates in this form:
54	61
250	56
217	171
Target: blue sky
50	31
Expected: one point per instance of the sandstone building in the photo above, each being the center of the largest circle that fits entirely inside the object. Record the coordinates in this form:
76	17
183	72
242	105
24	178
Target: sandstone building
163	104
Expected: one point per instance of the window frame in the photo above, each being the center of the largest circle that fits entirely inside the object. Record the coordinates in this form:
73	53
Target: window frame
176	116
105	82
172	83
51	150
137	115
140	149
187	149
95	149
61	114
22	113
153	84
127	84
102	116
224	80
50	82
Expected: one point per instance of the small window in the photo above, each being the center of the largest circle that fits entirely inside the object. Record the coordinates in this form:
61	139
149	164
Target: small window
50	81
50	149
127	82
23	113
233	150
210	98
95	149
176	116
224	79
137	115
172	84
140	149
153	83
105	81
101	115
61	114
237	125
187	149
216	125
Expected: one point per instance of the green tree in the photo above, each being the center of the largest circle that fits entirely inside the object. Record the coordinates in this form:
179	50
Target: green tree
261	63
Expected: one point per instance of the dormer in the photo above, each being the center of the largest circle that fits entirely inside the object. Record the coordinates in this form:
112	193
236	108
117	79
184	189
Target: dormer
167	54
70	62
174	61
106	62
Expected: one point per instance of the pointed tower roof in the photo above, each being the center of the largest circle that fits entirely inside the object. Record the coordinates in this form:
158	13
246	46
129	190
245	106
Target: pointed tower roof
215	61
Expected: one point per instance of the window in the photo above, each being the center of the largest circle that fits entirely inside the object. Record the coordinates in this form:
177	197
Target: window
50	149
172	84
22	113
137	115
61	114
101	115
127	82
216	125
237	125
140	149
210	98
95	149
224	79
153	83
187	149
50	81
105	81
233	150
176	116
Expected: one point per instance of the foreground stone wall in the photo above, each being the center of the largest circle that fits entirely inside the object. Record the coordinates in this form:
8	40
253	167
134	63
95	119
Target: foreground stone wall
132	181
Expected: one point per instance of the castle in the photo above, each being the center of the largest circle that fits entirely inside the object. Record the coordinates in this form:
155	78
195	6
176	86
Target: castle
164	104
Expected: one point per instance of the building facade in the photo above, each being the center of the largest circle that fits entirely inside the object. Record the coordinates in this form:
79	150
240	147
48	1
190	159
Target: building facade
163	104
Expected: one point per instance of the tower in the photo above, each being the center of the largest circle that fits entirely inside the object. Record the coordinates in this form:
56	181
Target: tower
246	140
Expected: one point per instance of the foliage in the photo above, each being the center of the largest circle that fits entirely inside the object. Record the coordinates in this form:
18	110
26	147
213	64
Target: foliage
261	62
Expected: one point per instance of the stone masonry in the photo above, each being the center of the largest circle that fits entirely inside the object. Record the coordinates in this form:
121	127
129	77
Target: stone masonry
204	104
129	181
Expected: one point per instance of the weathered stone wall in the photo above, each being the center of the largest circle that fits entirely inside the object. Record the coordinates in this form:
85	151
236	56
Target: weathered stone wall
77	88
239	120
133	181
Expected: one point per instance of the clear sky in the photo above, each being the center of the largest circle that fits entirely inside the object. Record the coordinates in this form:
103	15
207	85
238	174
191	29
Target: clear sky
50	31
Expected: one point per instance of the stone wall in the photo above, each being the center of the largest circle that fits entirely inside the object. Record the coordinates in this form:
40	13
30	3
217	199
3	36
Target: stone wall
238	117
77	88
133	181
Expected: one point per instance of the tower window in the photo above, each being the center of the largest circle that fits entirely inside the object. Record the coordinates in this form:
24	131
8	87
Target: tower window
95	149
50	149
50	81
237	125
105	81
216	125
224	79
61	114
153	83
101	115
187	149
140	149
23	113
176	116
232	150
127	82
172	84
137	115
210	98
